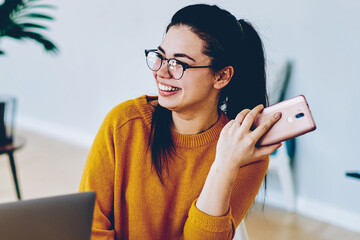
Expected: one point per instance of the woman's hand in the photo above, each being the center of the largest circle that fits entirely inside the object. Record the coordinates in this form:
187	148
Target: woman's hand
236	147
236	144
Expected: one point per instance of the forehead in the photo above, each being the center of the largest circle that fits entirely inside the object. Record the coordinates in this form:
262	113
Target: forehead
180	39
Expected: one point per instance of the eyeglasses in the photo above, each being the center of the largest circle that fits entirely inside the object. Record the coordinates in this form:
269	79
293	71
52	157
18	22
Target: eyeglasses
175	68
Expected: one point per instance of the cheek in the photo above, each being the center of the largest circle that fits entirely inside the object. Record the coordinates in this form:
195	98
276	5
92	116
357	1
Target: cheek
200	84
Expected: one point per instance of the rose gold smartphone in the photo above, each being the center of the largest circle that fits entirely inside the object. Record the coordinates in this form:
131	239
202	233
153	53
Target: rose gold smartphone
296	120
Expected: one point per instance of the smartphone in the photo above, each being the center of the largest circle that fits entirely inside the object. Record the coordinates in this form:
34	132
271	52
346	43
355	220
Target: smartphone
296	120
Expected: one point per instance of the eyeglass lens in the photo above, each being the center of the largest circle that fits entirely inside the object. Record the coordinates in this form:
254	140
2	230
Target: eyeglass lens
154	62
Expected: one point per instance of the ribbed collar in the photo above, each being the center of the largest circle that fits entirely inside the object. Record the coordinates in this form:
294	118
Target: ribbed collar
200	139
184	140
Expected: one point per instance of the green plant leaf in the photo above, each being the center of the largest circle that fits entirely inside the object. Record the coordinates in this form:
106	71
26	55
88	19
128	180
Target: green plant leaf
42	6
32	25
48	45
17	20
10	5
15	31
35	15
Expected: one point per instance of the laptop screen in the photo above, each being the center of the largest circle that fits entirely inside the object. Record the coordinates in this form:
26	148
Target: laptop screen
53	218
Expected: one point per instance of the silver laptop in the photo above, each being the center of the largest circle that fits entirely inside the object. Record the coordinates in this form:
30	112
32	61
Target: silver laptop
66	217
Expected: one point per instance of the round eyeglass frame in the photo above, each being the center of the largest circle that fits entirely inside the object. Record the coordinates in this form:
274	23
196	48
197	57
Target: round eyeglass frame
184	65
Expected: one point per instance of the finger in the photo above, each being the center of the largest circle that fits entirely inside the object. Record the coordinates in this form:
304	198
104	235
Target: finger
264	127
250	117
228	125
240	117
263	151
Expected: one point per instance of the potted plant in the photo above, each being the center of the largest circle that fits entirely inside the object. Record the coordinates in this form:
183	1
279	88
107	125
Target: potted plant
20	19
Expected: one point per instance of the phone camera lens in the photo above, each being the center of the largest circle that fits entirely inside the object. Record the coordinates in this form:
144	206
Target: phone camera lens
299	115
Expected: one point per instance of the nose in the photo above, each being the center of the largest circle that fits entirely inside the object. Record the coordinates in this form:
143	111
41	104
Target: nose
163	71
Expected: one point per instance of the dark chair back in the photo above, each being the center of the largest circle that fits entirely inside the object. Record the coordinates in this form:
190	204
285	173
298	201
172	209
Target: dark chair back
7	119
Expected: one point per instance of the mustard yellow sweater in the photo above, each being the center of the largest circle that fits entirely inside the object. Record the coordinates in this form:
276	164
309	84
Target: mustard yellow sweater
131	202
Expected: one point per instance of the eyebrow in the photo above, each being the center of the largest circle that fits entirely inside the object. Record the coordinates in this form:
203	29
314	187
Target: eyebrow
177	54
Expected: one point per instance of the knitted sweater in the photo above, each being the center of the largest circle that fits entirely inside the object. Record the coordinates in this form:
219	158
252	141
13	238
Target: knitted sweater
131	202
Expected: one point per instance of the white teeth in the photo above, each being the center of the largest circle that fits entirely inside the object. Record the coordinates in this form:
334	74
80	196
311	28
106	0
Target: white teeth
167	88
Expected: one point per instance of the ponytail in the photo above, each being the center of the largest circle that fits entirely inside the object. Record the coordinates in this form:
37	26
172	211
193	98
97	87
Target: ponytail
248	85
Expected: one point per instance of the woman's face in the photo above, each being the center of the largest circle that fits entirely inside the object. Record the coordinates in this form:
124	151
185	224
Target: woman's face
194	91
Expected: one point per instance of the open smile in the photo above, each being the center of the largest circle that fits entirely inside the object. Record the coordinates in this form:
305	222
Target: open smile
168	88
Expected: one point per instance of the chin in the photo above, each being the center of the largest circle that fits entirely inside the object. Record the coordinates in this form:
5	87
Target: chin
169	100
165	103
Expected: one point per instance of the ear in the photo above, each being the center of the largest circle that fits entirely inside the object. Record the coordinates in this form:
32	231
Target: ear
223	77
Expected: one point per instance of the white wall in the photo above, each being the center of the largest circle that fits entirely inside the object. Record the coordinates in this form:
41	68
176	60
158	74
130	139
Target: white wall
101	63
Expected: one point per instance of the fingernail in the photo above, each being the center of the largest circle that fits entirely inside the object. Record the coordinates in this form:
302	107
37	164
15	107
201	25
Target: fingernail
277	115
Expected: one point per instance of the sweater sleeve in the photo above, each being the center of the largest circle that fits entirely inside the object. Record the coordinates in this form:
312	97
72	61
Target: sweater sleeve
200	225
98	176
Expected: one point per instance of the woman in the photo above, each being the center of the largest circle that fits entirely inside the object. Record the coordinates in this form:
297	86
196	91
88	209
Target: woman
175	166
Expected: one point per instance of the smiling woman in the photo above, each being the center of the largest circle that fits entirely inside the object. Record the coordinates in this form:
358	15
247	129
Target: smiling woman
175	166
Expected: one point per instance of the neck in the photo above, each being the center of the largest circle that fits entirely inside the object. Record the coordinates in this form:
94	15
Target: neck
194	123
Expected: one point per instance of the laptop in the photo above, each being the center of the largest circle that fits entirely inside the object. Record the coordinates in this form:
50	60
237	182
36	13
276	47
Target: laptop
65	217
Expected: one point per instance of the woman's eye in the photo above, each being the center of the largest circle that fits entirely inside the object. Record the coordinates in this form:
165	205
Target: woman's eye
180	62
